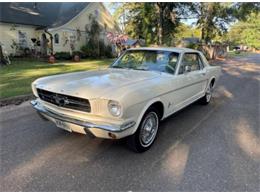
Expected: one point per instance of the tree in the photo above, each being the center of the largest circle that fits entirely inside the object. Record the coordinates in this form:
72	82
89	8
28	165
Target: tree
242	10
95	46
145	20
140	20
94	34
117	39
4	59
167	20
184	30
246	32
213	18
246	29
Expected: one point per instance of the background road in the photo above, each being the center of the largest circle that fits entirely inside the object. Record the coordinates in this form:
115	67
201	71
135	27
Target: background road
201	148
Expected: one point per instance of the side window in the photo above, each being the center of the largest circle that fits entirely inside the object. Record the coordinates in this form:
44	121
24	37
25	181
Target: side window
172	62
192	60
56	38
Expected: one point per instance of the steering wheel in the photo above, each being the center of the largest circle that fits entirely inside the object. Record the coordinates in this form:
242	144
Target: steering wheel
168	66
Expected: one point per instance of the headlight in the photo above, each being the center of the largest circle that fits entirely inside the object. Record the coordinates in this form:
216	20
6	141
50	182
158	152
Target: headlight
114	108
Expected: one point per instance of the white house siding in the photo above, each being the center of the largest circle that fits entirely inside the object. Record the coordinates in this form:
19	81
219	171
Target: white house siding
76	27
10	33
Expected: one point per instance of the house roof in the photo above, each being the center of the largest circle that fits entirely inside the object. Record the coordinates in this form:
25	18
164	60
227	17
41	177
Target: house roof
44	14
130	42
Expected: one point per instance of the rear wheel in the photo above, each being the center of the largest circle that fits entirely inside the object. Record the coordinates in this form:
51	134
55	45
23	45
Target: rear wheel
208	95
146	133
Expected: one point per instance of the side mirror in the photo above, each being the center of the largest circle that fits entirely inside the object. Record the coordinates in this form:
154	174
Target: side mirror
187	69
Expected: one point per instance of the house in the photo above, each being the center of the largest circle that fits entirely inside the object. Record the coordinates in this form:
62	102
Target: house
47	27
132	43
186	41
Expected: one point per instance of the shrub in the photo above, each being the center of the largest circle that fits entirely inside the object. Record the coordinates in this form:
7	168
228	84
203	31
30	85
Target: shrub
95	47
102	48
85	50
192	46
81	54
62	56
108	51
89	51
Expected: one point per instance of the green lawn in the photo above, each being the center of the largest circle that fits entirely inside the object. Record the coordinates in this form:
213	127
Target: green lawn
16	78
235	54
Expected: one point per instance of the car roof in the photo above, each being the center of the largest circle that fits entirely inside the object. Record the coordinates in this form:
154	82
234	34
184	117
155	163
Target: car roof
172	49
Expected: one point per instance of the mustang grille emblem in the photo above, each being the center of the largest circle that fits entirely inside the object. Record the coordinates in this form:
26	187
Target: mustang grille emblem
61	101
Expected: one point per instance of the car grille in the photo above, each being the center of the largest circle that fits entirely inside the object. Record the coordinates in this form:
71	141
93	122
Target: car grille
65	101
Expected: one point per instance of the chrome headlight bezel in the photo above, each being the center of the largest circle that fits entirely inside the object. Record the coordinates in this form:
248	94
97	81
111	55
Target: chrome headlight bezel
114	108
34	90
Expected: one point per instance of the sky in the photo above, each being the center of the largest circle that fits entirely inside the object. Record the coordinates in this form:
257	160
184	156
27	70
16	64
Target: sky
109	7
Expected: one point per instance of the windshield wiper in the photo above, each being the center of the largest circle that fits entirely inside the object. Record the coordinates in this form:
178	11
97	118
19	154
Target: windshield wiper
117	67
144	69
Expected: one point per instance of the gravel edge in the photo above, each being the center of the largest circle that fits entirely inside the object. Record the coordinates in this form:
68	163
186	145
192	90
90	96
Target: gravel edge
15	100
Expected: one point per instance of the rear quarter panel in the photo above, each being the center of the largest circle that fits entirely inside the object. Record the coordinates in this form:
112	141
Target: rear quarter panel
214	72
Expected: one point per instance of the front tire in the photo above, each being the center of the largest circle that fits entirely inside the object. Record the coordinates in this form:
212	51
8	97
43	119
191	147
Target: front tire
146	133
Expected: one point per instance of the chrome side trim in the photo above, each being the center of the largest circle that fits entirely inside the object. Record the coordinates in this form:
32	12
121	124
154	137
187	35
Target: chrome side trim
111	128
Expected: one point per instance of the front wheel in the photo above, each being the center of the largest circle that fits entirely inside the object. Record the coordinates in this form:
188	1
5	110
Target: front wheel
146	133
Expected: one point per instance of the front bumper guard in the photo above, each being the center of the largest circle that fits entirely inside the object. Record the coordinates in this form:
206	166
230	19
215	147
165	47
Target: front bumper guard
110	128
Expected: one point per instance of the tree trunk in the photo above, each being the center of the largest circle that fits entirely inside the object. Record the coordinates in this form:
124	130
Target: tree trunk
51	37
160	30
1	55
202	34
4	59
160	23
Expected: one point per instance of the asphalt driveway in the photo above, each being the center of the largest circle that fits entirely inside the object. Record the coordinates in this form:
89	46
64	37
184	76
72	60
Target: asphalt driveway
201	148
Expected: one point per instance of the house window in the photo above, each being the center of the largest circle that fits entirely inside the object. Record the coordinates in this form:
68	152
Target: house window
22	38
56	38
96	13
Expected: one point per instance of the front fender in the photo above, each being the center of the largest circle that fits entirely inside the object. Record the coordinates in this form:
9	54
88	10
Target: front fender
141	108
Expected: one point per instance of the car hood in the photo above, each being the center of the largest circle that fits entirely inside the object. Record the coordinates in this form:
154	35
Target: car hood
93	84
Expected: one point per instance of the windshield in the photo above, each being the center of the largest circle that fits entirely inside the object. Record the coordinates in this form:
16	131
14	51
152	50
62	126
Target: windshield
162	61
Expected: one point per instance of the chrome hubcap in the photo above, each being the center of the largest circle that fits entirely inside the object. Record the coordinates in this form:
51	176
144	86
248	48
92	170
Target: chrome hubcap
209	93
149	129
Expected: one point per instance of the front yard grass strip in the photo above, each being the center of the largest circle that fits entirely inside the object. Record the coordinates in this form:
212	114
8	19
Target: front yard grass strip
16	79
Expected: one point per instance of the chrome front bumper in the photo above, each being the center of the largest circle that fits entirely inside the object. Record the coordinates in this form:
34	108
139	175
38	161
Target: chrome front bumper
86	124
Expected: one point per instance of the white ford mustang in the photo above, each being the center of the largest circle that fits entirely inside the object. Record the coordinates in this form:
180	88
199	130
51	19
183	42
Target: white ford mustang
130	98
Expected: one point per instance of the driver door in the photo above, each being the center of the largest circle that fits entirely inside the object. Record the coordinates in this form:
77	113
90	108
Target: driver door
190	79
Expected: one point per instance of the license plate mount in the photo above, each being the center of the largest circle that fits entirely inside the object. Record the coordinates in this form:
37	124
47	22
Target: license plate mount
63	125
